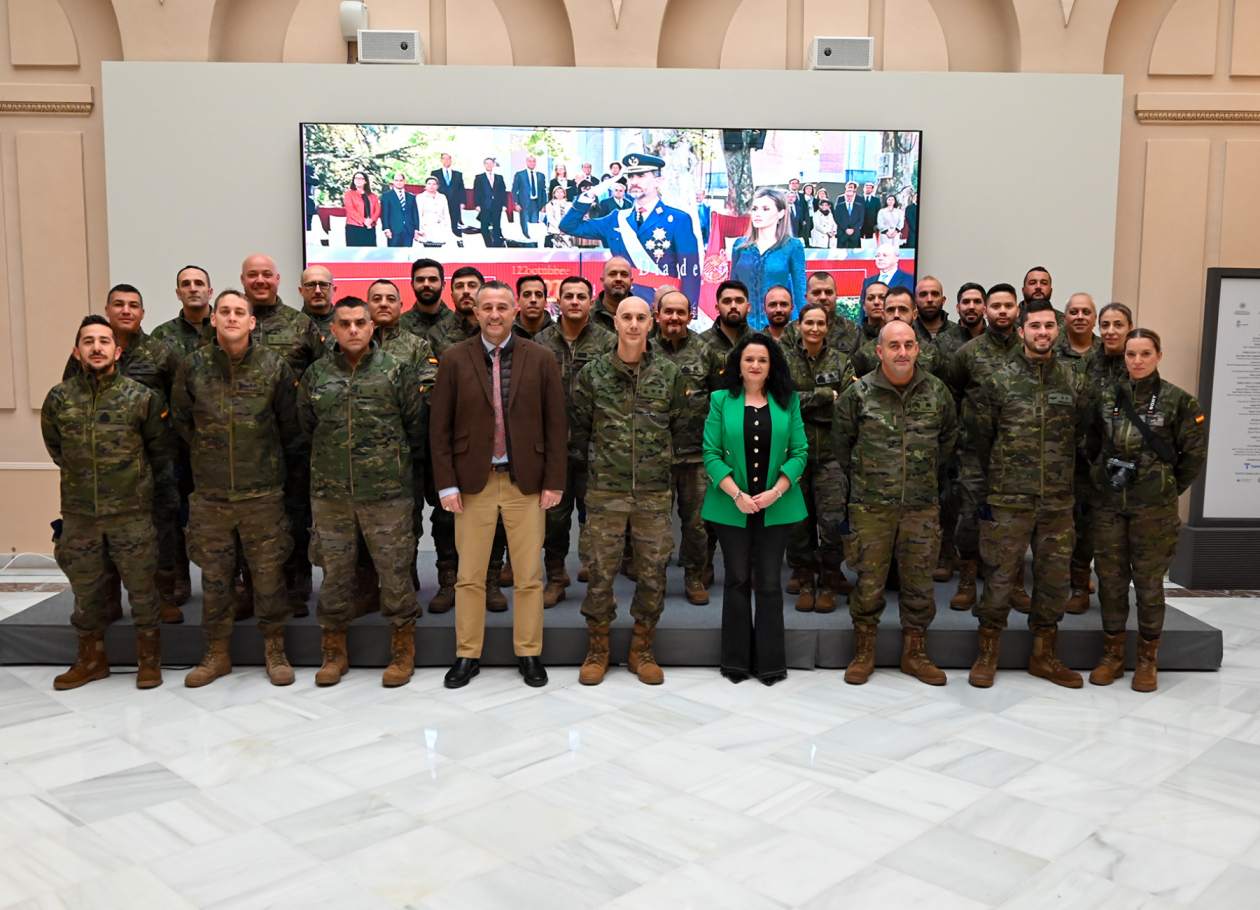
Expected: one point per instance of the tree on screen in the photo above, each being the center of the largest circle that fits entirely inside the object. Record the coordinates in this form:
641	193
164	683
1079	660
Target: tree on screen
335	151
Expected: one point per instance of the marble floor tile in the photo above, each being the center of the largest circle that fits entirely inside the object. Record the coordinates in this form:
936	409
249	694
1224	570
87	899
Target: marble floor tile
515	826
219	763
604	861
689	828
604	790
694	888
1225	772
1197	824
538	758
1023	825
880	886
855	826
124	791
1163	870
443	790
510	887
1237	888
230	868
738	735
380	761
126	886
48	864
971	762
1061	885
970	866
1083	794
789	868
763	790
106	755
1212	720
1124	763
679	765
280	792
344	825
406	869
928	795
27	817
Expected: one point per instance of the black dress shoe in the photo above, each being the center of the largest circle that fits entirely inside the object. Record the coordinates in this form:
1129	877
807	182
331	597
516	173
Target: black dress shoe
532	670
735	676
772	679
463	670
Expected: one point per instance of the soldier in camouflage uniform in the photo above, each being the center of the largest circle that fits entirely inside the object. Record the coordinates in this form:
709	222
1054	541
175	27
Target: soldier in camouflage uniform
184	334
234	404
616	285
575	339
732	319
466	281
364	412
108	435
820	373
899	305
1138	482
317	289
892	433
843	334
1076	345
1039	286
629	406
153	364
296	339
968	370
701	367
1029	421
428	313
532	317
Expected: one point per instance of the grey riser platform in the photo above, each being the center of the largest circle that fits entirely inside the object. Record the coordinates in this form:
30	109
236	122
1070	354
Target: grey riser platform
688	636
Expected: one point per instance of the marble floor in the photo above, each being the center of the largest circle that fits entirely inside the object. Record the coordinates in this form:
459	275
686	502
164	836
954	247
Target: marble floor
698	793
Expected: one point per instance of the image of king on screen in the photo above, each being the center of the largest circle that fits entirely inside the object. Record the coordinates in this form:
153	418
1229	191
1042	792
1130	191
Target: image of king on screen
659	240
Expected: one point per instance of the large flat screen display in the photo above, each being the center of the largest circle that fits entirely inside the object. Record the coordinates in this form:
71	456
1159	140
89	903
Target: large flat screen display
688	208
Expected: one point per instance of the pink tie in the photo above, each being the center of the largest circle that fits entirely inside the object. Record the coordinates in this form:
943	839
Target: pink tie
500	436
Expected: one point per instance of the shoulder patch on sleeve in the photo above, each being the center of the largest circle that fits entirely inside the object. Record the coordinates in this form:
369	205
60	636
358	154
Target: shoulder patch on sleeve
1199	418
165	411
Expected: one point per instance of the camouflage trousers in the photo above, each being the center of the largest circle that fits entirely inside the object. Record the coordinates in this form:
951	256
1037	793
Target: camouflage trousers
970	487
89	546
816	542
261	527
1083	513
1003	542
1134	545
652	540
690	481
386	529
913	535
560	518
297	507
950	503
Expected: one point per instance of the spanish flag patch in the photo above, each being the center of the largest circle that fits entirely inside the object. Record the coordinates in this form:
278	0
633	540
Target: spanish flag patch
1199	418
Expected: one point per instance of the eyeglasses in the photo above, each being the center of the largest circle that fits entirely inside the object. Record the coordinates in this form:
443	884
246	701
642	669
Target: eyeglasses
317	285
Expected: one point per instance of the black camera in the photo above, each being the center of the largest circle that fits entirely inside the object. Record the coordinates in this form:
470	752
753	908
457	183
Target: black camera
1120	473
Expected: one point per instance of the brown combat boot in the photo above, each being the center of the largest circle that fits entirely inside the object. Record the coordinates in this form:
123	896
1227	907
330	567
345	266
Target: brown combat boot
90	665
444	599
799	574
148	659
862	666
402	656
506	577
1111	667
641	661
583	575
965	597
1145	677
1045	664
915	661
985	667
805	600
215	662
336	662
596	663
496	600
944	570
1079	601
279	671
183	582
557	583
693	587
829	585
168	610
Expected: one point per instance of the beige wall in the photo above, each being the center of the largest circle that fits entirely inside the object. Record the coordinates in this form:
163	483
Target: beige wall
1188	196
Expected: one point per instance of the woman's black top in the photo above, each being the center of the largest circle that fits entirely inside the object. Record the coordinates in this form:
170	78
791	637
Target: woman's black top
757	447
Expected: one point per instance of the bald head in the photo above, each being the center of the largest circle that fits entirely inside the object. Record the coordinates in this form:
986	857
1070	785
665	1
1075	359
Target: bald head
261	279
616	281
316	288
897	350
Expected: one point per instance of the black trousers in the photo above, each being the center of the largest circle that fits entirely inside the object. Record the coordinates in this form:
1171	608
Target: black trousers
752	558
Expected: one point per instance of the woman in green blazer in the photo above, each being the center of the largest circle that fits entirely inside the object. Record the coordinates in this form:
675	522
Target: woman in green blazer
754	452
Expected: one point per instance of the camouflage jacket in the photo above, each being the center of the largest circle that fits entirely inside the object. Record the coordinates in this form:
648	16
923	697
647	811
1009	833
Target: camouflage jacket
701	367
1104	370
819	382
948	340
1172	415
109	436
1028	423
182	336
931	358
627	417
601	315
239	420
844	334
146	359
1077	361
715	338
592	341
413	351
323	325
521	332
367	424
976	360
450	333
892	444
426	325
290	334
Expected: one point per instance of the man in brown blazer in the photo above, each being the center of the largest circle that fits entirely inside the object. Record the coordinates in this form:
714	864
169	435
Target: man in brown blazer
498	438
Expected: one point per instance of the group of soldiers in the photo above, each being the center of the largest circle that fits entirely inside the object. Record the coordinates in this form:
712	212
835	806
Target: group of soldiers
253	438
